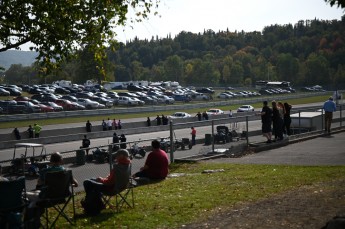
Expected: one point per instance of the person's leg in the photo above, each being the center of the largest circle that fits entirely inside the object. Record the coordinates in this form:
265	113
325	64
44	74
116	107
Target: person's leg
92	185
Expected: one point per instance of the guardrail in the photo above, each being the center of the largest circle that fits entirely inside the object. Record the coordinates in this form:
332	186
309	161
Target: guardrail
158	109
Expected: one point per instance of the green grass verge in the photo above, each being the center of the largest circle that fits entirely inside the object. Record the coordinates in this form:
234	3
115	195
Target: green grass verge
98	118
193	197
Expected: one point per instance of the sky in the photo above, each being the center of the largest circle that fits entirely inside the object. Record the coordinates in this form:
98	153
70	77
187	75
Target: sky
219	15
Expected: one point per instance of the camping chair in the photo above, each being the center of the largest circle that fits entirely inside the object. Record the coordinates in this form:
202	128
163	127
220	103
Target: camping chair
56	193
12	202
123	188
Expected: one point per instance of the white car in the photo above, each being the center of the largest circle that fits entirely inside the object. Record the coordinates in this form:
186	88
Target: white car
165	99
224	95
89	104
200	96
124	100
180	115
245	108
214	111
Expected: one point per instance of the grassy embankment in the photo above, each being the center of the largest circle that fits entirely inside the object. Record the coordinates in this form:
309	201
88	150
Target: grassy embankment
195	196
143	115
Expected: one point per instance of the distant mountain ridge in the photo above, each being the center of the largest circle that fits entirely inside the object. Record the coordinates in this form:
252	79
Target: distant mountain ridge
25	58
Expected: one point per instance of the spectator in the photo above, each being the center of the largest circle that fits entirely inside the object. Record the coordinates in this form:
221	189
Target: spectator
266	120
277	120
156	165
30	130
16	133
158	120
165	120
109	124
101	184
123	141
115	124
148	121
205	115
37	130
287	118
230	113
119	124
198	115
85	144
104	125
193	133
88	126
116	140
329	107
56	161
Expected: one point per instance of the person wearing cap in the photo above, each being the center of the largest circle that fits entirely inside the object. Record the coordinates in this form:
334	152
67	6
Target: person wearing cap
103	184
329	107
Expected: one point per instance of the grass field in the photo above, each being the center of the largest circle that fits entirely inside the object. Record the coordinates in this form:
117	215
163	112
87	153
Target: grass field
142	115
191	198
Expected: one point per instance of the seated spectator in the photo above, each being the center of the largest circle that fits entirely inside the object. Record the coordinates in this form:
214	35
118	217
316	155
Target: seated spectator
101	184
156	165
56	161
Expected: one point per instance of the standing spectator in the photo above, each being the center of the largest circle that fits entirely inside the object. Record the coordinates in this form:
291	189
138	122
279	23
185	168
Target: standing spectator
198	115
205	115
165	120
37	130
16	133
30	130
193	133
85	144
230	113
156	164
158	120
277	120
123	141
148	121
287	118
266	120
109	124
119	124
116	141
329	107
115	124
88	126
104	125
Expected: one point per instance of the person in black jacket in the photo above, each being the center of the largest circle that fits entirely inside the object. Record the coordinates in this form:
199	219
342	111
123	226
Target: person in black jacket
123	139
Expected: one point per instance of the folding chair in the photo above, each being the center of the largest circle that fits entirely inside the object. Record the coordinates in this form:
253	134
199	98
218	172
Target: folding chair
12	201
56	193
123	188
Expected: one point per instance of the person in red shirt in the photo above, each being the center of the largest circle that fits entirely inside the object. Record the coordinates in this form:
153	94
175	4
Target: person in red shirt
156	165
193	133
102	184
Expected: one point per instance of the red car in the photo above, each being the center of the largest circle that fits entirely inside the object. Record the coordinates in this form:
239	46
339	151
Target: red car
45	108
22	98
66	104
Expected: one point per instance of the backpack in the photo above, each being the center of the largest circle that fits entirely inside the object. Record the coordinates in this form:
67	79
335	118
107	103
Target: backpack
92	203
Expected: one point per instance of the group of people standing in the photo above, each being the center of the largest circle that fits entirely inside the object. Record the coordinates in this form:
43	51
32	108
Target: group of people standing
111	124
32	131
279	116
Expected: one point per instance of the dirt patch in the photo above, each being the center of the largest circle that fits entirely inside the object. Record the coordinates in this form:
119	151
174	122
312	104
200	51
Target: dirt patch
306	207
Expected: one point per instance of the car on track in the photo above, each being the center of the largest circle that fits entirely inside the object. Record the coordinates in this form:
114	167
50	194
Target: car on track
245	108
214	111
180	115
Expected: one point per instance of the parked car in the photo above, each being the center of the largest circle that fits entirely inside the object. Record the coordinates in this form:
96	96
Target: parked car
245	108
140	102
53	105
200	96
214	111
89	104
224	95
11	107
4	92
128	101
206	90
102	100
30	107
67	105
148	100
182	97
180	115
13	91
165	99
69	98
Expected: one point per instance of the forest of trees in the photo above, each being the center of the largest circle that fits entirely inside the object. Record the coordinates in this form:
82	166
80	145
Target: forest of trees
307	53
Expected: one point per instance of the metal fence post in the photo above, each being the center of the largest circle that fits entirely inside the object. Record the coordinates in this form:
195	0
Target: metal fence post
247	131
171	142
212	136
299	122
341	118
322	120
